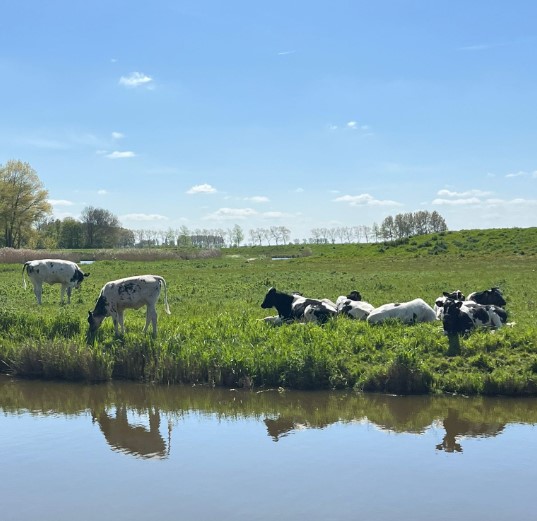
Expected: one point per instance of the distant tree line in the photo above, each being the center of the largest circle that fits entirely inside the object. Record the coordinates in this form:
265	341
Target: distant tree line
402	226
25	221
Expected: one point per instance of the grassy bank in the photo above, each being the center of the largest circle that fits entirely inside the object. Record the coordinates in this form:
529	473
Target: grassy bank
214	336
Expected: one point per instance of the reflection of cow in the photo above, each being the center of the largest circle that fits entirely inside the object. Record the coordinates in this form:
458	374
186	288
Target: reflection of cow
280	427
133	439
456	426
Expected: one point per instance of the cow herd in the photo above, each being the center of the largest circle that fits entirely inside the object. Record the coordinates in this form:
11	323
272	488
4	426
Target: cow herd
459	314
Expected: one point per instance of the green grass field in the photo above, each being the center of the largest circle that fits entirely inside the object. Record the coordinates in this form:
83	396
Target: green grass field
213	335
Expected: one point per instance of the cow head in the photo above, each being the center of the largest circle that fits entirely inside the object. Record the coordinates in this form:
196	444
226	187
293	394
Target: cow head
454	295
354	295
270	299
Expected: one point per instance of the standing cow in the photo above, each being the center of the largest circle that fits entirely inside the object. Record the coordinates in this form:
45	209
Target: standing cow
128	293
53	271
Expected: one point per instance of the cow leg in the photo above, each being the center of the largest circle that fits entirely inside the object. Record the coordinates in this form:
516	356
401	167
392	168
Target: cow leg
151	316
62	294
115	318
38	290
120	318
69	289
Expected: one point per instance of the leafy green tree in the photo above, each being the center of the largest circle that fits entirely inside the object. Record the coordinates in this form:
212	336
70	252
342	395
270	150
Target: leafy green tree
23	202
101	228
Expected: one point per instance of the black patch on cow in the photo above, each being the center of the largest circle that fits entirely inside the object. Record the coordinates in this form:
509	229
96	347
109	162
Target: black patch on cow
101	307
354	295
279	300
455	320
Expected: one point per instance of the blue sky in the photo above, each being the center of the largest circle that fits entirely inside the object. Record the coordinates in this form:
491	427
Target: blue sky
287	113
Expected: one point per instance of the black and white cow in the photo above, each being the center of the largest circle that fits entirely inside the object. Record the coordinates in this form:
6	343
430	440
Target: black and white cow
128	293
352	306
439	302
297	307
492	296
459	318
53	271
410	312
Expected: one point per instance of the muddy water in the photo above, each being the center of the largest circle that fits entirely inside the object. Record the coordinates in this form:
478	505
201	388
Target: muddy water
128	451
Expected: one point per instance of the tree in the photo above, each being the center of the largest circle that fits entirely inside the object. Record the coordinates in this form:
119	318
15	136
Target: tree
236	235
23	201
101	228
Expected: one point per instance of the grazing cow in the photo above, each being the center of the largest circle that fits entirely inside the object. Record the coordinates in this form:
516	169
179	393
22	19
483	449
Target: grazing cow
352	306
492	296
53	271
416	310
459	318
293	307
128	293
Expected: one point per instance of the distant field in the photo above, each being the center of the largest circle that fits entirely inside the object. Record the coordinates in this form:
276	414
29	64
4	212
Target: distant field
213	335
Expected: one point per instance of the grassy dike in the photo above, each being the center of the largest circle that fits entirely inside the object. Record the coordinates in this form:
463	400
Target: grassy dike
213	335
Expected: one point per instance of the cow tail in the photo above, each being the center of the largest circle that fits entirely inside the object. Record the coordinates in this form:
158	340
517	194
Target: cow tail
24	267
167	308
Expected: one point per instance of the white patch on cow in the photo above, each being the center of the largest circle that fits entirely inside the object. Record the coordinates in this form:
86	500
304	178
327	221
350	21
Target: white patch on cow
416	310
53	271
128	293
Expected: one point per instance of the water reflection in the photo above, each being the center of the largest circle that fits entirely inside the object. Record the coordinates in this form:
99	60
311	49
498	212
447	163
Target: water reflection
137	419
137	440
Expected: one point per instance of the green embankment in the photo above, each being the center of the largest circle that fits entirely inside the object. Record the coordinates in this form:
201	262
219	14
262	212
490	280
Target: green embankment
214	336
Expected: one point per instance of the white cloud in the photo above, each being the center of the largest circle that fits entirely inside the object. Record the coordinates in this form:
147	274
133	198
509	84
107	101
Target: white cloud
467	193
60	202
135	79
299	190
285	53
352	125
102	192
224	214
522	173
365	200
202	189
120	155
457	202
117	135
257	199
143	217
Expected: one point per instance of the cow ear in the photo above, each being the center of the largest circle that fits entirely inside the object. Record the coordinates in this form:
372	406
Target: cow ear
458	304
86	274
90	314
445	293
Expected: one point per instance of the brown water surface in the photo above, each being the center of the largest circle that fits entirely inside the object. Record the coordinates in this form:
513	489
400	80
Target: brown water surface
130	451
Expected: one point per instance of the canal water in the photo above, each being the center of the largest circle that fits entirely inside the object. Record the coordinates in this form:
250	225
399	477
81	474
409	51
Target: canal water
126	451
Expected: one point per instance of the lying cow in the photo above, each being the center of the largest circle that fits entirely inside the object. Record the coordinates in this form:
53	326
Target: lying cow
128	293
352	306
298	307
459	318
492	296
411	312
53	271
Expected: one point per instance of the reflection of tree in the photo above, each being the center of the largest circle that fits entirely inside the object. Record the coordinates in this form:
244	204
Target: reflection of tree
456	426
133	439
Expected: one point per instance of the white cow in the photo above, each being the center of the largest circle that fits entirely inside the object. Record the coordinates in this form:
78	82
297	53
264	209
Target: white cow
357	309
53	271
416	310
128	293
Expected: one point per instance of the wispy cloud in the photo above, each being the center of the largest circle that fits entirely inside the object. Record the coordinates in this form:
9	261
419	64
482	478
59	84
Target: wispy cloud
522	173
143	217
60	202
467	193
257	199
201	189
136	79
120	155
226	214
285	53
102	192
365	200
117	135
